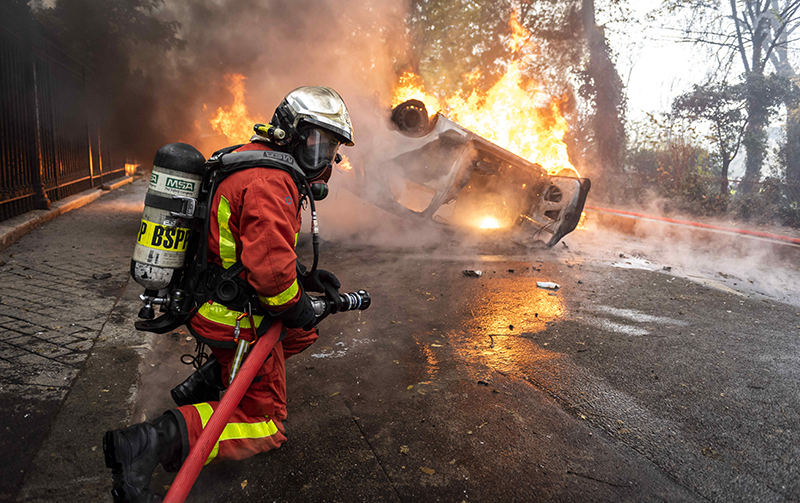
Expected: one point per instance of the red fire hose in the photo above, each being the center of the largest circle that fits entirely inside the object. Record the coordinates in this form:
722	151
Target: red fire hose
199	454
760	234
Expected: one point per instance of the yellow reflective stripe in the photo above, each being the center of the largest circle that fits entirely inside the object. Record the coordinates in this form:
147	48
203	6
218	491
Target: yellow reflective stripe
296	236
283	297
221	314
205	412
235	431
227	246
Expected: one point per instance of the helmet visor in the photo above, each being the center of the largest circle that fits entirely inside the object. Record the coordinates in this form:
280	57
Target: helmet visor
319	149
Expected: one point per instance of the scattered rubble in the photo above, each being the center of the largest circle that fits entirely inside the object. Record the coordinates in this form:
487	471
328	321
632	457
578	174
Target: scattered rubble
472	274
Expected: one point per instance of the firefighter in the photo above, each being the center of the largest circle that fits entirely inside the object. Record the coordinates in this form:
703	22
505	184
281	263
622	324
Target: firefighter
255	222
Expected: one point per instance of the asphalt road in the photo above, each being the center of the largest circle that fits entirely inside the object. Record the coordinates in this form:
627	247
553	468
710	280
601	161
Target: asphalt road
631	382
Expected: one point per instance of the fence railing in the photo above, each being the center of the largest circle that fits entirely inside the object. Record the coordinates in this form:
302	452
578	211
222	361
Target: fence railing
50	144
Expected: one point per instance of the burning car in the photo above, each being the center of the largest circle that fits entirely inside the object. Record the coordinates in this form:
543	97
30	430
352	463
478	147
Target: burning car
444	174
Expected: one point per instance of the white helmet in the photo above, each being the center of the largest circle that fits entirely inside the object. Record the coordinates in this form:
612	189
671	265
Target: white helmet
317	122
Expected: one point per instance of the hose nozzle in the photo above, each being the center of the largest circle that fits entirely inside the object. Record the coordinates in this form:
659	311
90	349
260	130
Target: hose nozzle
350	301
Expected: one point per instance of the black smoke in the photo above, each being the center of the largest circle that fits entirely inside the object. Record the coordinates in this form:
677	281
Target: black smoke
154	64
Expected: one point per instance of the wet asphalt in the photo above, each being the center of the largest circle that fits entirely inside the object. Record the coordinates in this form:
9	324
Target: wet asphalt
625	384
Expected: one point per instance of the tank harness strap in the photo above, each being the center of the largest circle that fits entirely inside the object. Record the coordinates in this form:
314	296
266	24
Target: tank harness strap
182	205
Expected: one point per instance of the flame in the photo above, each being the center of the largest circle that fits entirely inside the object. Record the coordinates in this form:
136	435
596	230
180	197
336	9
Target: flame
582	222
130	169
489	223
514	113
234	121
345	165
411	86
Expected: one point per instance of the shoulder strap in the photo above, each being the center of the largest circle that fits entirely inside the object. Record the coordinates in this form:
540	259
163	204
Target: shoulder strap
234	161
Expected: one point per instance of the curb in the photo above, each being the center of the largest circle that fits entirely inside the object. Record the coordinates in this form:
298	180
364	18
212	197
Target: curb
13	229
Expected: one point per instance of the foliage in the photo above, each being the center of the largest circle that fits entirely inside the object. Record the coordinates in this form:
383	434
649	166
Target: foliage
754	32
567	55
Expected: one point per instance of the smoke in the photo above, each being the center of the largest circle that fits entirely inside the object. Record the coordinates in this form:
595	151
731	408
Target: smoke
753	267
156	65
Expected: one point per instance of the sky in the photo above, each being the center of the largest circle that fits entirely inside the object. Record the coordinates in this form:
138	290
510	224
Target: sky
654	66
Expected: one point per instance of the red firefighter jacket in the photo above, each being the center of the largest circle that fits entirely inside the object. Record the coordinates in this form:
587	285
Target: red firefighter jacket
255	218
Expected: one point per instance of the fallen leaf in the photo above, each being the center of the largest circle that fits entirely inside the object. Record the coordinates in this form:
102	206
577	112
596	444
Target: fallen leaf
410	386
436	345
244	484
333	395
403	449
429	471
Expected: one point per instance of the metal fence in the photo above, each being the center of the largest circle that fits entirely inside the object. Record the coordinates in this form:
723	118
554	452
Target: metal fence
50	146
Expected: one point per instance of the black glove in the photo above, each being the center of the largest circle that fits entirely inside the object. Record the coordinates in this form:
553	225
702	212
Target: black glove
301	314
317	281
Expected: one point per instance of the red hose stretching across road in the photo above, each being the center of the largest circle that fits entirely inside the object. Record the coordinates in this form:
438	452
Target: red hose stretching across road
695	224
199	454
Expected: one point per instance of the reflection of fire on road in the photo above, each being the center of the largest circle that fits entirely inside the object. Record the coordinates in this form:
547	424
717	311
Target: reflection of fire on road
512	302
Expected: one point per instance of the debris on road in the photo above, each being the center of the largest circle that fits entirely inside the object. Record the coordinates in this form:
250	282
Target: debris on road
548	285
472	274
103	275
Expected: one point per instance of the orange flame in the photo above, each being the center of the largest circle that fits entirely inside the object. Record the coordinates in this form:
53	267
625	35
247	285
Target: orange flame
345	165
234	121
411	86
490	223
514	113
130	169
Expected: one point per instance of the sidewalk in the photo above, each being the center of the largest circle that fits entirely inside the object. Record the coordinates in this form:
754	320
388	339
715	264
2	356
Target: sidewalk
58	290
14	228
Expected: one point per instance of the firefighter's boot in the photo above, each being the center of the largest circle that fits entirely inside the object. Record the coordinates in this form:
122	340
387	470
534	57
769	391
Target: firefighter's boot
134	452
203	385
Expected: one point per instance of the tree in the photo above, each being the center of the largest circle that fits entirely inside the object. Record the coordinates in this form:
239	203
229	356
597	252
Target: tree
722	106
451	38
756	33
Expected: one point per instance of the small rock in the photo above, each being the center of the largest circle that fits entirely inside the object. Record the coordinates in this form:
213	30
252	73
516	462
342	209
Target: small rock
104	275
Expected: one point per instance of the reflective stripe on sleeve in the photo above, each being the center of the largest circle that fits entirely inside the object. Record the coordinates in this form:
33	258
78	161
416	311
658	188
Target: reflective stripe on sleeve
283	297
227	245
235	431
221	314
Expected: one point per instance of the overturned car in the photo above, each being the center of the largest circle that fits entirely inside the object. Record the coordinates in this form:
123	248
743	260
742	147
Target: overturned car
432	169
